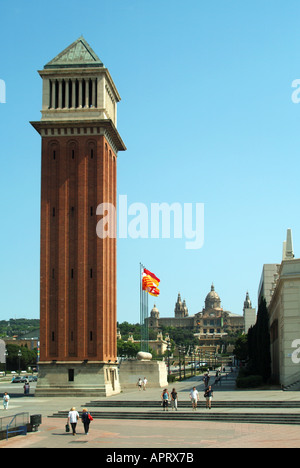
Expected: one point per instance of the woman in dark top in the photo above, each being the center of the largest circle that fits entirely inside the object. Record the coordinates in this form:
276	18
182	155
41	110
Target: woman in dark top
86	419
174	399
208	395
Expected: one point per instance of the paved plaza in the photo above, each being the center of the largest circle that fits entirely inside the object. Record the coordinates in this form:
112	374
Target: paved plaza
157	435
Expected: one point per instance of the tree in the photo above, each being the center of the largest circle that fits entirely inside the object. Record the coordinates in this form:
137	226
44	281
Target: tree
259	344
28	358
127	348
263	341
241	348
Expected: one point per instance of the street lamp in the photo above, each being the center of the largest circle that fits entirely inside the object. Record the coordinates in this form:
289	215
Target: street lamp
19	356
169	349
190	350
183	351
5	357
179	351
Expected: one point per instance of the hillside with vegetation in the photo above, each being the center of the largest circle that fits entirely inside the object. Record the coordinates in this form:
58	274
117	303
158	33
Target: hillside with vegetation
19	327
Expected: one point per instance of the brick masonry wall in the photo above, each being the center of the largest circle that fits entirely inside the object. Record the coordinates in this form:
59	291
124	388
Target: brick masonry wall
78	269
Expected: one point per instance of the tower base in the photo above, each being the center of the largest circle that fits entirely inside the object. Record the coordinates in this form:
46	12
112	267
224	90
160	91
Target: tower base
89	379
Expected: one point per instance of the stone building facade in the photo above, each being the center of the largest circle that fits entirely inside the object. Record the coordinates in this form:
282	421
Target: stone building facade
210	325
284	318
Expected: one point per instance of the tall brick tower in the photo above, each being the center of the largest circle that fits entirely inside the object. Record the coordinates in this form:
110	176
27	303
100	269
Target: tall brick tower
80	144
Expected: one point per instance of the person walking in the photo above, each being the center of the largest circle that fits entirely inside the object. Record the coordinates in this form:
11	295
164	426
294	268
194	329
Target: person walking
145	381
165	399
72	419
26	388
209	395
139	384
206	380
6	399
86	419
174	399
194	396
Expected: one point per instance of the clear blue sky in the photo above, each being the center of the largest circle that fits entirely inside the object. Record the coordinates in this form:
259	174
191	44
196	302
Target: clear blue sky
206	115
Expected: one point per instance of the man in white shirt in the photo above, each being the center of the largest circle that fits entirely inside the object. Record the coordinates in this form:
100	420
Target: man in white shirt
73	417
144	383
6	399
194	396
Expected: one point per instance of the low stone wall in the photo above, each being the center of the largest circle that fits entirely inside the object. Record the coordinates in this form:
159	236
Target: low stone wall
154	371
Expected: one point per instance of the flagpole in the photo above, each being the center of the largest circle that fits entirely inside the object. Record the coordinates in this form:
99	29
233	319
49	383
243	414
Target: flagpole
143	313
144	303
141	303
142	308
146	325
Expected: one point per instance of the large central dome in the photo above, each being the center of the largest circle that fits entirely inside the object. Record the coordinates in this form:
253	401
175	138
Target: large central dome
212	300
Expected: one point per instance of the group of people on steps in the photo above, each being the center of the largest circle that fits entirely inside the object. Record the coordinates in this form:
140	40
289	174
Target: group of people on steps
172	397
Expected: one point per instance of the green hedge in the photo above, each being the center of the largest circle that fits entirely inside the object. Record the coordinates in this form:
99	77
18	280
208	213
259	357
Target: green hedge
251	381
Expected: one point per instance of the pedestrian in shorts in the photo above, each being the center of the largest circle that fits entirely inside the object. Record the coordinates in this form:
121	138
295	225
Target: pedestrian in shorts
174	399
194	396
165	399
209	395
6	399
139	384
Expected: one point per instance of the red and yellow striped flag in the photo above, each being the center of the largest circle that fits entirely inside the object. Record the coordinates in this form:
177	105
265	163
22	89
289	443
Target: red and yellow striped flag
150	283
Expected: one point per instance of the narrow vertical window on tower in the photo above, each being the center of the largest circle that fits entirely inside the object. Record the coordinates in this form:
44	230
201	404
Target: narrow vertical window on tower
69	103
50	94
63	93
77	94
90	84
56	87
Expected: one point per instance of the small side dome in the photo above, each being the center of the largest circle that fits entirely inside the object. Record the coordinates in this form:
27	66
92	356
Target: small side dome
155	312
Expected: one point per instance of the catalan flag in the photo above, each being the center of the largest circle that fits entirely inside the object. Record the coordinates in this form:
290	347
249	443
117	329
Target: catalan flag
150	283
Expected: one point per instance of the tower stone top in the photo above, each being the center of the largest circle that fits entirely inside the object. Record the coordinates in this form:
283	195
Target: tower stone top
247	302
78	54
78	87
181	309
288	250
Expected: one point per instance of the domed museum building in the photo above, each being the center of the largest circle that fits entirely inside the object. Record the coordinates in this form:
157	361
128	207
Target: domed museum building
210	325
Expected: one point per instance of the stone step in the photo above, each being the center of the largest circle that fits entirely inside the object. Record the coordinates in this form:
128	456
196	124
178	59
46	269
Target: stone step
187	404
200	415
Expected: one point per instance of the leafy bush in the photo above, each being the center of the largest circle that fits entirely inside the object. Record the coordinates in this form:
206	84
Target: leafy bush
28	358
171	378
251	381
